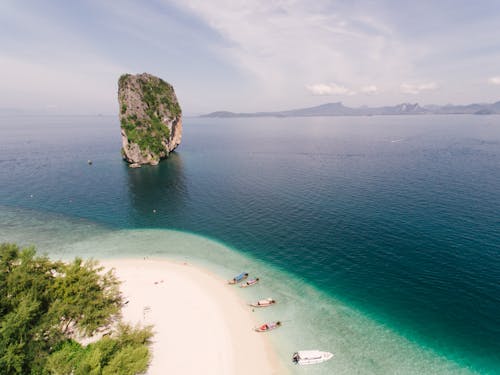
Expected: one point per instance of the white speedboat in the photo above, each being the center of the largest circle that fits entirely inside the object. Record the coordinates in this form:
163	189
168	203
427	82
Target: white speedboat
310	357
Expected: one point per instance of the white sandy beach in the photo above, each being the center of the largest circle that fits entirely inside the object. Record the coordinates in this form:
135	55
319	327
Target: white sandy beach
201	326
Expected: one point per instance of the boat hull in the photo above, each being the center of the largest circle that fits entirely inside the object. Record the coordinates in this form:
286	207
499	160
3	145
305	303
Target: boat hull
310	357
270	327
247	285
265	304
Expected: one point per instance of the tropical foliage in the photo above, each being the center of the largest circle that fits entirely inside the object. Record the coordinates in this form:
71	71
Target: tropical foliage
46	304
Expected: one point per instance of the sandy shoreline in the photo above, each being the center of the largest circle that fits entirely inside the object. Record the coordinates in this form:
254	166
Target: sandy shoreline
201	326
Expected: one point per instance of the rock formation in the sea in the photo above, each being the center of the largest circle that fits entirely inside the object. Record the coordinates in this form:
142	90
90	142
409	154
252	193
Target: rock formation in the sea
150	117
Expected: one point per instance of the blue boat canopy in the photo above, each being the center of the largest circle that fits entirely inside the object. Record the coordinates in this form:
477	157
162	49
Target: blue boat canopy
240	276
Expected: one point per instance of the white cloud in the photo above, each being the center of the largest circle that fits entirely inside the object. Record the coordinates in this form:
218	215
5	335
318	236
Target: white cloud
494	80
409	88
285	50
328	89
325	89
284	45
320	89
370	89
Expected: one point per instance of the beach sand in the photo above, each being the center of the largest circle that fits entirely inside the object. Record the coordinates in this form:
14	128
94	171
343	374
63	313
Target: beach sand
201	325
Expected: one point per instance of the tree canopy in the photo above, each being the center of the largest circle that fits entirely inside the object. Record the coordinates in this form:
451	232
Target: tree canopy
46	304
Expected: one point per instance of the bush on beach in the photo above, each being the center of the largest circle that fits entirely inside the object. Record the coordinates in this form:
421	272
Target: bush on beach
46	304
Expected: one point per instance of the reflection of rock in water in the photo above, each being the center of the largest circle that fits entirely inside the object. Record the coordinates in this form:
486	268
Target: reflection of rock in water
157	193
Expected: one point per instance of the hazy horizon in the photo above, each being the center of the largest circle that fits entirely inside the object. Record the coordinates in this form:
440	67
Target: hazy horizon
114	111
65	57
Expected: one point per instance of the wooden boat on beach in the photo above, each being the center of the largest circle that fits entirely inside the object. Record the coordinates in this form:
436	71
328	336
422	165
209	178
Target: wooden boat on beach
249	282
310	357
263	303
242	276
266	327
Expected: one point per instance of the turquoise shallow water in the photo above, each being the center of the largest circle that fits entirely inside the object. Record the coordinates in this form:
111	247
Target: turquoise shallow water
380	235
311	318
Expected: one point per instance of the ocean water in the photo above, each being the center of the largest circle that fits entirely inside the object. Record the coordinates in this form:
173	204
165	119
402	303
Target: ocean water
379	236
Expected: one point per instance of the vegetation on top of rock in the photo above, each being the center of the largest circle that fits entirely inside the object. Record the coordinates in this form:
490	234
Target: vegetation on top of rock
157	92
150	117
123	78
45	303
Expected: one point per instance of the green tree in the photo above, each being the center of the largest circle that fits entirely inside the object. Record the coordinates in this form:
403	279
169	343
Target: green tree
126	352
44	303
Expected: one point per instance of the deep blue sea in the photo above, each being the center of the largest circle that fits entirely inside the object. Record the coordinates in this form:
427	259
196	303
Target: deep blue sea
393	221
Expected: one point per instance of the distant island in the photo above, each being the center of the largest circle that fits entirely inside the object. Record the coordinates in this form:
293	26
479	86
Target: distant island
338	109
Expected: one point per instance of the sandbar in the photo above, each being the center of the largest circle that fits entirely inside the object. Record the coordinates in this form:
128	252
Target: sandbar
201	325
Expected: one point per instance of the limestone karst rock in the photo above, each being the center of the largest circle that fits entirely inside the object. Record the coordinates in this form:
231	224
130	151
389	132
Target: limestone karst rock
150	118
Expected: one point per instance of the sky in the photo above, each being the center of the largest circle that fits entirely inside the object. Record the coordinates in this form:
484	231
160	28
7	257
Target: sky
66	57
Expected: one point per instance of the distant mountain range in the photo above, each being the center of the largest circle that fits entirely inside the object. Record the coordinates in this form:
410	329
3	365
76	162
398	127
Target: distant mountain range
338	109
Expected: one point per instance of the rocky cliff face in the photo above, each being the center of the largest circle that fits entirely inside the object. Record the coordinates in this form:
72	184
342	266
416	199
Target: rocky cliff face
150	117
